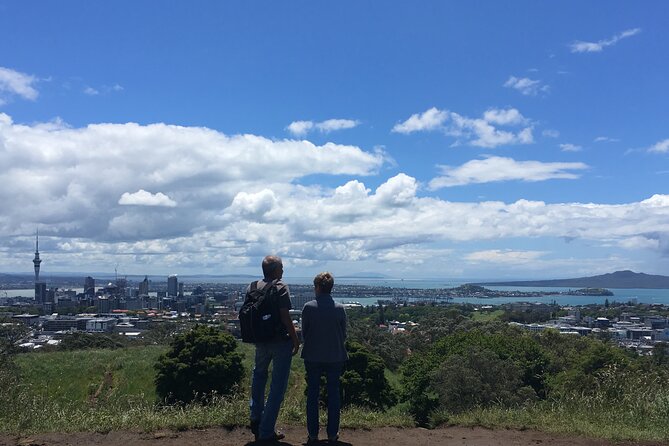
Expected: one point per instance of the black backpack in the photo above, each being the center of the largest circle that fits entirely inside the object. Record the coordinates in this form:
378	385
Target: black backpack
259	316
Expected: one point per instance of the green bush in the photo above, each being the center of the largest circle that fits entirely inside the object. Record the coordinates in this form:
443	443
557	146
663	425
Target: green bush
200	363
363	382
519	348
478	378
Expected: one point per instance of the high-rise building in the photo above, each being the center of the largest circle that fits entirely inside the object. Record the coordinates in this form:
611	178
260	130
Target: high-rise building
172	285
181	289
40	292
40	287
37	261
89	287
144	287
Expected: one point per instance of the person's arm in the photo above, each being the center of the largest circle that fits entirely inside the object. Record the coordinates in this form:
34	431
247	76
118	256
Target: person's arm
290	328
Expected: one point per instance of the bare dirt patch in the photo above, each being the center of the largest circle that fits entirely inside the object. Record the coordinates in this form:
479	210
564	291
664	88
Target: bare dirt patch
451	436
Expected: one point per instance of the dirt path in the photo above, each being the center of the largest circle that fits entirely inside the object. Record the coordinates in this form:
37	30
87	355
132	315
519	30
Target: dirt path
296	436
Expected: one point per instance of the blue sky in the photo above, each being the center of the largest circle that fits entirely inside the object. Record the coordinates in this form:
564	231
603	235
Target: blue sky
444	139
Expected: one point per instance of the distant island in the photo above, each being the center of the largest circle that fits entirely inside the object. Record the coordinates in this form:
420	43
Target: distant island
618	279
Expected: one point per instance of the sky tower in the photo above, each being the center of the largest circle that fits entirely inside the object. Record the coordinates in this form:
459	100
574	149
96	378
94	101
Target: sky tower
37	260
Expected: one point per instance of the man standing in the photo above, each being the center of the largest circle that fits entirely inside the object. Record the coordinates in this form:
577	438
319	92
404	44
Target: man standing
278	351
324	352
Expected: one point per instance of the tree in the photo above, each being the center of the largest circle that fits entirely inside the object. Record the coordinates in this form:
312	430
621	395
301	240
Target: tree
478	378
363	382
200	363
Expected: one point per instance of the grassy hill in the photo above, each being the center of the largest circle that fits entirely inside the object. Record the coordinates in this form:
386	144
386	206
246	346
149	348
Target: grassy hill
105	390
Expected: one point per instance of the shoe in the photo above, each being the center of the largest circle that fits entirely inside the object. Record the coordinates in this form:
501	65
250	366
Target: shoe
333	439
312	441
276	436
255	425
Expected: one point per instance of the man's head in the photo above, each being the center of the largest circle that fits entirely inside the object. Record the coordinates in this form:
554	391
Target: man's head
323	283
272	267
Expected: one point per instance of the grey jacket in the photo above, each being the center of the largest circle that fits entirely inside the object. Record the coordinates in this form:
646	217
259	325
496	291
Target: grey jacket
324	330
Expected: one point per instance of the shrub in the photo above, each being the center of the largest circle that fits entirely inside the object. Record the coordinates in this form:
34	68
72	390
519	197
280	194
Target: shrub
363	382
478	378
200	363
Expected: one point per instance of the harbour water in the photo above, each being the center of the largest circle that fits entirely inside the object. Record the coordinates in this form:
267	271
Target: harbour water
647	296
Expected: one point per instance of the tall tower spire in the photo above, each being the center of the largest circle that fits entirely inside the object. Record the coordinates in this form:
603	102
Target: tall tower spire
37	260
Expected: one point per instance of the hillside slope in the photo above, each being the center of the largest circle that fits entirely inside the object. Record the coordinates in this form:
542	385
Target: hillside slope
618	279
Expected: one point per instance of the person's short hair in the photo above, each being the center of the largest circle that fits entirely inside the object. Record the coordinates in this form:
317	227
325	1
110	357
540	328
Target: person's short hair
270	265
324	281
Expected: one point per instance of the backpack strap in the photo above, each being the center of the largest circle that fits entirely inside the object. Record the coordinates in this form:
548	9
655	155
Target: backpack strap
268	285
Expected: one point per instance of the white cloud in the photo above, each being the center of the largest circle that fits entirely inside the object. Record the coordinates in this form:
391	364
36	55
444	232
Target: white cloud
254	205
144	198
606	139
480	132
660	147
397	191
239	197
16	83
570	147
90	91
509	116
595	47
504	257
494	169
72	178
526	86
301	128
431	119
550	133
638	242
331	125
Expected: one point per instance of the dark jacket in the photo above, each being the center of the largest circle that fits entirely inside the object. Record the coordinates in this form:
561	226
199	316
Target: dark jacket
324	330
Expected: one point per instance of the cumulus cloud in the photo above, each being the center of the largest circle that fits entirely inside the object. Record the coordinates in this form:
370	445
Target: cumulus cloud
144	198
596	47
660	147
526	86
254	205
495	168
301	128
15	83
570	147
550	133
480	132
72	178
431	119
240	197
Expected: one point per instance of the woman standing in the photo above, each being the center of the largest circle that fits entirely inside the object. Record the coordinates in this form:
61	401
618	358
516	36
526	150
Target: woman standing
324	333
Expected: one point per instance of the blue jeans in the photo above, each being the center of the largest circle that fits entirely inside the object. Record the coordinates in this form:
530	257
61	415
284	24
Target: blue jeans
280	354
332	372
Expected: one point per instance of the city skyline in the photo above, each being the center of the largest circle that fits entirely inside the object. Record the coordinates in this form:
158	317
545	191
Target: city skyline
446	140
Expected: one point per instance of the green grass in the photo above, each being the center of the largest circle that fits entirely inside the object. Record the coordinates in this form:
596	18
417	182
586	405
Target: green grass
485	316
91	376
617	424
57	388
104	390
